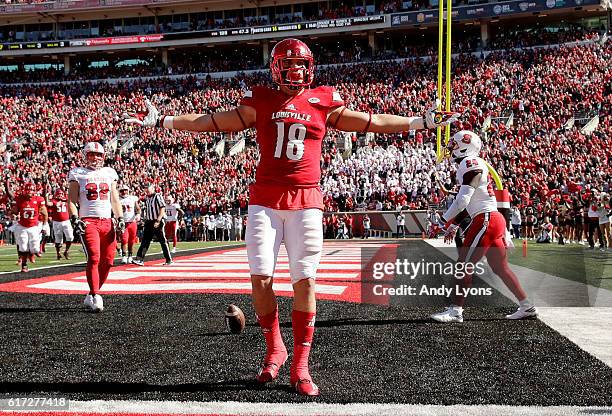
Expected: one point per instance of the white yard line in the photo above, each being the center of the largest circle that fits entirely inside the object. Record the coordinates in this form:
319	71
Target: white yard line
148	254
324	409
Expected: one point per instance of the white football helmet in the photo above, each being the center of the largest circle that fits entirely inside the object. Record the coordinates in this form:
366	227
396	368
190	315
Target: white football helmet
94	155
464	144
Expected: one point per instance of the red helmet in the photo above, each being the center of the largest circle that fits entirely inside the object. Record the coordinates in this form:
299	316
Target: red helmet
59	195
282	73
29	188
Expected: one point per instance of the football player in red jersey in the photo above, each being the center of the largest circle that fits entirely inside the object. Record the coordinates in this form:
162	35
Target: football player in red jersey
29	207
58	210
285	201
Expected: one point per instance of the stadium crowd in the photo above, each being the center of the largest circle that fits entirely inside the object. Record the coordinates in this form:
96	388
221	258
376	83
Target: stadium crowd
547	164
209	60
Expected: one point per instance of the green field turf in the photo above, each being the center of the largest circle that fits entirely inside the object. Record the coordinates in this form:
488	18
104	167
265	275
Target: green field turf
8	254
572	262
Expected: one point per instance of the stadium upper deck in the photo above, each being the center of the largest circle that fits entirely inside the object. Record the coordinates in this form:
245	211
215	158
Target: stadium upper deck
77	26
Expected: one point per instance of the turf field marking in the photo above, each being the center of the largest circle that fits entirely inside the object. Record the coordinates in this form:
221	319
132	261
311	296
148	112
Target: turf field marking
213	275
220	271
14	254
81	287
141	408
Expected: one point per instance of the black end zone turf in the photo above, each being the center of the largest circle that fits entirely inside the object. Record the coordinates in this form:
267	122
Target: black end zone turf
175	347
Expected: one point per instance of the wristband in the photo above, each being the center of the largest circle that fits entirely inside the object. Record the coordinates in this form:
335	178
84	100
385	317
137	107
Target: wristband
168	122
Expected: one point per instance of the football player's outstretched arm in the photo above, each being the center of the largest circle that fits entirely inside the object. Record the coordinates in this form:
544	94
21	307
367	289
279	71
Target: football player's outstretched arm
344	119
240	118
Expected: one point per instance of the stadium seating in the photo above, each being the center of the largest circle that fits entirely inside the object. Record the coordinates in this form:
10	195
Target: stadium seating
44	127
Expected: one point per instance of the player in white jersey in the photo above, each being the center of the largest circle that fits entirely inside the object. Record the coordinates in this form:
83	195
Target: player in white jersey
486	234
131	216
94	189
173	210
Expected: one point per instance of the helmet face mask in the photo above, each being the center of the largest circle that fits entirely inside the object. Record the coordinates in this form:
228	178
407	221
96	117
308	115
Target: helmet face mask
123	191
29	189
60	195
94	155
292	64
95	160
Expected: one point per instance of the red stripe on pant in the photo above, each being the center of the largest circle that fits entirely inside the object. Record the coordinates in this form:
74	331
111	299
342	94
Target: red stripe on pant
485	237
170	232
100	244
129	235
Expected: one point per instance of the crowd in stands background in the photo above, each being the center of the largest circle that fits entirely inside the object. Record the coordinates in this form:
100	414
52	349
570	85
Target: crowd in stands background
547	167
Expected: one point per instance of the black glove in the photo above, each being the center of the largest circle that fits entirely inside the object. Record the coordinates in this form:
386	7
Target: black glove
78	225
120	227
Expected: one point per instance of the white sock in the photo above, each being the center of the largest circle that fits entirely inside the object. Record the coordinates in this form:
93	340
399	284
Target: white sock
525	303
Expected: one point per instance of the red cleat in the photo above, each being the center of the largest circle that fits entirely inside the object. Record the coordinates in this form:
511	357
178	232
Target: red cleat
24	269
306	387
269	371
32	258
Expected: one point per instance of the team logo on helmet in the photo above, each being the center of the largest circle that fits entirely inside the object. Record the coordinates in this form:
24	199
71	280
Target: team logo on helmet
464	144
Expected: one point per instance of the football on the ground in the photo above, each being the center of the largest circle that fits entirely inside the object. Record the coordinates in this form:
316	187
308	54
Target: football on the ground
234	319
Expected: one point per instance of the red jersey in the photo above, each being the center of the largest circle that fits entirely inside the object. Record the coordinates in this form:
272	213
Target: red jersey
29	209
290	132
58	210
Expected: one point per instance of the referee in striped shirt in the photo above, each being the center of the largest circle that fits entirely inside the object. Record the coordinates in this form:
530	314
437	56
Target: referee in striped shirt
154	215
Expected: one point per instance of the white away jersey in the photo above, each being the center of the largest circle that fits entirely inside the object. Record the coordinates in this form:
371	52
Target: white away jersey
483	199
129	207
172	211
94	190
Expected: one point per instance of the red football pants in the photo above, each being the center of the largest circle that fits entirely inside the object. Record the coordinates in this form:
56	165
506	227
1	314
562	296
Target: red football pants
485	237
170	232
129	235
99	244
